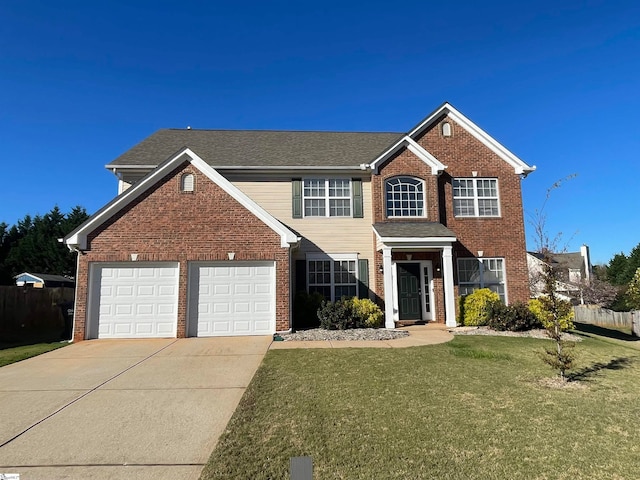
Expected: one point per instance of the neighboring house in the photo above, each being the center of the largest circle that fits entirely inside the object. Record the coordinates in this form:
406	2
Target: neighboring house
215	231
41	280
573	269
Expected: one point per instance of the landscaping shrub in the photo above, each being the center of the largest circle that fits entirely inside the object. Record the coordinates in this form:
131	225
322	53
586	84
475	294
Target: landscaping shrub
544	316
305	309
349	313
460	319
367	312
514	318
337	315
478	305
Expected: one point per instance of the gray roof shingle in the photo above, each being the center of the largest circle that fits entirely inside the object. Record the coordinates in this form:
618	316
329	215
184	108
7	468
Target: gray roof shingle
261	148
412	230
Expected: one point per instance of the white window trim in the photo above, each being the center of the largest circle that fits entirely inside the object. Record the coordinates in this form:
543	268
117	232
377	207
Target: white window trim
481	282
332	257
327	198
475	198
424	197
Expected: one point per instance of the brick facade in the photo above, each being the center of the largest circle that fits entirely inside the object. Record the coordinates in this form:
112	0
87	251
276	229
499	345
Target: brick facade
165	224
501	237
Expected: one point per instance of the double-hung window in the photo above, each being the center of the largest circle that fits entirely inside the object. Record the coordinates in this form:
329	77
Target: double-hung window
405	197
476	197
327	197
333	277
475	273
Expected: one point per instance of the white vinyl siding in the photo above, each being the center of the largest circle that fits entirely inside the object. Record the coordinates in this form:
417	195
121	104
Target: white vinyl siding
330	235
476	197
476	273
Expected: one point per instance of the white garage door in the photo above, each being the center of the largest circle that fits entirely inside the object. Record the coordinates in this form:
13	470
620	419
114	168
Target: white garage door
130	301
237	299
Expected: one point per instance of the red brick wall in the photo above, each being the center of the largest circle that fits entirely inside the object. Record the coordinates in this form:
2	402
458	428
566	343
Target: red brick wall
496	237
166	224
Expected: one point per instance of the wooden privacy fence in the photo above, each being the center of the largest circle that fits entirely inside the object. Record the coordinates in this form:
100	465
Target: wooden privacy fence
33	310
604	317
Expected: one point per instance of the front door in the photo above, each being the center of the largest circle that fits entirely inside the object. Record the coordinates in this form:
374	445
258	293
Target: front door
409	307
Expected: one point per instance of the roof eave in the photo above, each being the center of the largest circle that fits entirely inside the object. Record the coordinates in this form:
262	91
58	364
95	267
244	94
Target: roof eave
77	239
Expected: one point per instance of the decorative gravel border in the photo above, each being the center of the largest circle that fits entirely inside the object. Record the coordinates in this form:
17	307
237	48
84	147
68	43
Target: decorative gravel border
318	334
535	333
349	335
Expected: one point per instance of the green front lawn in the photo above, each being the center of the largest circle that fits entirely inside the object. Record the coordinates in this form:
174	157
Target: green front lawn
471	408
10	354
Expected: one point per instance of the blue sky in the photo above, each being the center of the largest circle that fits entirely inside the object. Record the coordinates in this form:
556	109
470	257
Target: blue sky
557	83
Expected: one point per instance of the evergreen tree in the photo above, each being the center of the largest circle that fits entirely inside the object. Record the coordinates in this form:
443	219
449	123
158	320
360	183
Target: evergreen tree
616	269
32	244
633	263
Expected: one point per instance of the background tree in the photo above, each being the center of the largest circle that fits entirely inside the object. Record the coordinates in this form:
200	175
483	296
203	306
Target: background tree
599	292
32	244
633	291
616	270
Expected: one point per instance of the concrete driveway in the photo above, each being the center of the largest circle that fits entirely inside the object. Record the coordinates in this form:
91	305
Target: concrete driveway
134	409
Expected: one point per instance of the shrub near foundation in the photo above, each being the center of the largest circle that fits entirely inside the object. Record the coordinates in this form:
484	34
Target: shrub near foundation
514	318
478	306
368	312
349	313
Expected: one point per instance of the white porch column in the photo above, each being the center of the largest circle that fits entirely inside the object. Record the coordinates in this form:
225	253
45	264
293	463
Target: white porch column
447	277
388	288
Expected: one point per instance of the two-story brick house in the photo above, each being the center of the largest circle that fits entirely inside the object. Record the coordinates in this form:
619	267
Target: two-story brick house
214	231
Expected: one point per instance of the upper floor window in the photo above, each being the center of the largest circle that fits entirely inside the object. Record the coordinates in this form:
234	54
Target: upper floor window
327	197
476	197
475	273
405	197
187	182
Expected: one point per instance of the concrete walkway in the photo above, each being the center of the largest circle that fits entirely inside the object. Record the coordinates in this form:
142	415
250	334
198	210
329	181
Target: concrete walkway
134	409
419	335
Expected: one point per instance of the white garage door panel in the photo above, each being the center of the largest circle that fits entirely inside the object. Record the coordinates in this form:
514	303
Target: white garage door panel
232	300
136	301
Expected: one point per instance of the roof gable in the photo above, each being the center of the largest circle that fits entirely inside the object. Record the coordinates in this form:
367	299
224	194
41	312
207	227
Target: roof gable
77	239
449	111
410	144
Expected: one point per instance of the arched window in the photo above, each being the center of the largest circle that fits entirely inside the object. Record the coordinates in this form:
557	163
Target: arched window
405	197
187	182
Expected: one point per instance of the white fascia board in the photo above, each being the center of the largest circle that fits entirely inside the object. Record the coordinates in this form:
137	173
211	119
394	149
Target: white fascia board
436	165
397	241
130	167
375	165
415	148
519	166
287	237
77	239
31	275
246	167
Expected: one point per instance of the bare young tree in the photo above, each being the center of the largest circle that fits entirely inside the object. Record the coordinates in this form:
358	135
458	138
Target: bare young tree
557	313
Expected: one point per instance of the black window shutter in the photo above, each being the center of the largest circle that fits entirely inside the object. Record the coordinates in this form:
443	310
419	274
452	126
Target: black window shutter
301	276
356	186
363	278
297	198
